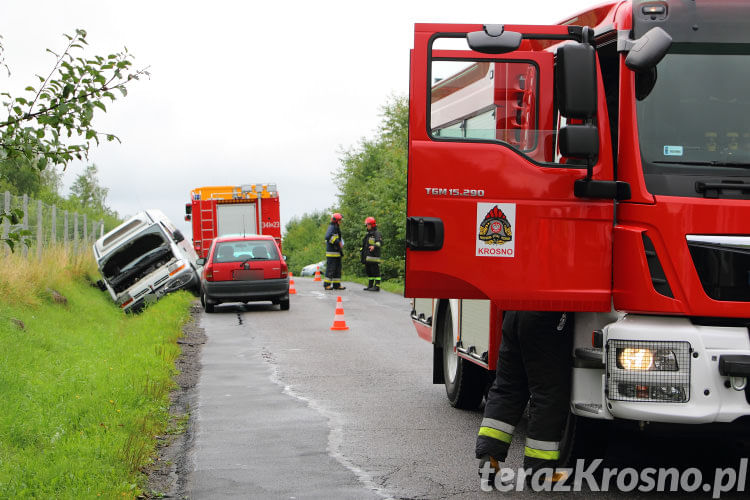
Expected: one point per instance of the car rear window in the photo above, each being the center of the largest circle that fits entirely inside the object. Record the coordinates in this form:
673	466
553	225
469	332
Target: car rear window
240	251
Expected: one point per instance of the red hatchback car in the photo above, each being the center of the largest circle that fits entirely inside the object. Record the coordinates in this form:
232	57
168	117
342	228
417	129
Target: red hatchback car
244	269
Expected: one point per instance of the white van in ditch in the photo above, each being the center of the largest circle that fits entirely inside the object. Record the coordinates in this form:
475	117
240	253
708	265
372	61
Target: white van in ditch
143	259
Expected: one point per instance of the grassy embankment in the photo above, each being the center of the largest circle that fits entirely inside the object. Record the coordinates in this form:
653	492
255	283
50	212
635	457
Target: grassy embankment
84	389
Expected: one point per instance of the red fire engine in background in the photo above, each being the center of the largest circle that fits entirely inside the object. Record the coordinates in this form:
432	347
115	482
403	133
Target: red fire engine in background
219	210
600	166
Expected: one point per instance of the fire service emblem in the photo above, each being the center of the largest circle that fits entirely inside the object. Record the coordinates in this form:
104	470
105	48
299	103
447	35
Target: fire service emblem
496	229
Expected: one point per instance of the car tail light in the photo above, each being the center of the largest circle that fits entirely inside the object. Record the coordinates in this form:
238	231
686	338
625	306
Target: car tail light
209	272
284	269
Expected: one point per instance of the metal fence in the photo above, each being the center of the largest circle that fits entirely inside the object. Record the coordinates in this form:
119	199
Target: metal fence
50	226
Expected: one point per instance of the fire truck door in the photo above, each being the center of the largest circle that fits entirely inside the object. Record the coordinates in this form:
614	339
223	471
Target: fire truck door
491	210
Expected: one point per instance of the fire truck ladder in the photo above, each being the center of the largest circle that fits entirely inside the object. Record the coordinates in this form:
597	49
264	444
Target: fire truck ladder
208	224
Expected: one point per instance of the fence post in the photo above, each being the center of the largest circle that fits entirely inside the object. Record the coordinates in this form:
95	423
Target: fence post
101	228
53	237
85	231
25	223
6	222
65	228
75	233
39	232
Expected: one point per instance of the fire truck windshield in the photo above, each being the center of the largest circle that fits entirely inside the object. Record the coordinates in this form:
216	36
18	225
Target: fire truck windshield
694	122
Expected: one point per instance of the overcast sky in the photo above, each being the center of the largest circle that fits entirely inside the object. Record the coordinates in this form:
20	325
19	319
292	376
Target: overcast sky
241	91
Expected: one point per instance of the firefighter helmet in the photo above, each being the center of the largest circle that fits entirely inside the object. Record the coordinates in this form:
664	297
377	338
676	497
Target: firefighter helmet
371	220
336	217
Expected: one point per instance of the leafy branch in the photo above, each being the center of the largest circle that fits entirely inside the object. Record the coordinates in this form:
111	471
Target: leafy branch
53	123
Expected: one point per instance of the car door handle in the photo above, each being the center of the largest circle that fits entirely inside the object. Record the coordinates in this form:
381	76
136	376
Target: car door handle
424	233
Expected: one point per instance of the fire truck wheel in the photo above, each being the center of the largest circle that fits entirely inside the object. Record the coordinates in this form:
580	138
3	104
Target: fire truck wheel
583	438
464	381
209	308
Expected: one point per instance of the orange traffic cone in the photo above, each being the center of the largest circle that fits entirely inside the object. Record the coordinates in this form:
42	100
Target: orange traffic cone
338	319
317	274
292	290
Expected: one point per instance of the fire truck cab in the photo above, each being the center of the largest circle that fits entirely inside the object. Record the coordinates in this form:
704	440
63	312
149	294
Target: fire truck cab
599	166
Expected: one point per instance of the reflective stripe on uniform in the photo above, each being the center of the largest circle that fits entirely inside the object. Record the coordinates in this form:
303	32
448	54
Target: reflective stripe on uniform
543	445
333	254
495	434
370	258
371	241
543	454
335	281
376	279
334	238
377	243
497	424
545	450
326	280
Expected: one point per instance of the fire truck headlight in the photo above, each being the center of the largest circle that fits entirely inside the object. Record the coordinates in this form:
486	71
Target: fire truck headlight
635	359
648	371
665	360
661	360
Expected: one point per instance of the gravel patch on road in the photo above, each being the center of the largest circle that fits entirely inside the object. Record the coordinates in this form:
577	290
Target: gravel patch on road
168	475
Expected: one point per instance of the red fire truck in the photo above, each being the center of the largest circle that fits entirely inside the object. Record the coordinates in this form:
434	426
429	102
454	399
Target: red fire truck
219	210
601	166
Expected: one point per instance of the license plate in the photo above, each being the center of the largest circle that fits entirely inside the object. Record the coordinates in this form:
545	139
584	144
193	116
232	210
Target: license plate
247	274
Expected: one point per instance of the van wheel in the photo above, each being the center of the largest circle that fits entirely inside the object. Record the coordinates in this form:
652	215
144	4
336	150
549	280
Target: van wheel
284	305
583	438
464	381
209	308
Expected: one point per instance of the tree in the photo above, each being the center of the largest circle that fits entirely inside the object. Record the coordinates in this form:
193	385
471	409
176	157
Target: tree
86	189
372	182
304	239
52	123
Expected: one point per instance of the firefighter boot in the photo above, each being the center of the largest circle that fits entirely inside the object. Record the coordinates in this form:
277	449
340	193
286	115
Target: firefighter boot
369	285
376	286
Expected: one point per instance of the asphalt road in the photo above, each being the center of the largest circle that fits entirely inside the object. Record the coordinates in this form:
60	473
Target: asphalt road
287	408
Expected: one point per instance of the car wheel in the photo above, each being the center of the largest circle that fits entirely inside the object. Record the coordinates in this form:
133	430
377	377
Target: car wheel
284	305
464	381
209	308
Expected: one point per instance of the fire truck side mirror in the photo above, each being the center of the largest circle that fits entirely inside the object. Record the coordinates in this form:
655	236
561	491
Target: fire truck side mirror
494	40
575	79
579	141
646	52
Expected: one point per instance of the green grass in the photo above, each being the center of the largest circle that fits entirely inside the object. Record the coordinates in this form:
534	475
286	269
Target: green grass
395	286
84	389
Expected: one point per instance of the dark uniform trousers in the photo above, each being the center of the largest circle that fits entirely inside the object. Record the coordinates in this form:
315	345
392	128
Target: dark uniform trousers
534	366
333	273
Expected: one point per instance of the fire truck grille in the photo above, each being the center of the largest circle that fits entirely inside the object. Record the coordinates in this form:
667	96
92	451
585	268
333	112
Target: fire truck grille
648	371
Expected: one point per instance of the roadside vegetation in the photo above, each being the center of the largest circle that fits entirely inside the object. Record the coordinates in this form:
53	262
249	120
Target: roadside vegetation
371	181
51	123
84	388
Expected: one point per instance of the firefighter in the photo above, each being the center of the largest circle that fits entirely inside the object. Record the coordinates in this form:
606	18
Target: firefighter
534	362
334	252
370	254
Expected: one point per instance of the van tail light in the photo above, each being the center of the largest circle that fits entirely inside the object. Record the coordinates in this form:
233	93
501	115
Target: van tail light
209	271
284	269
